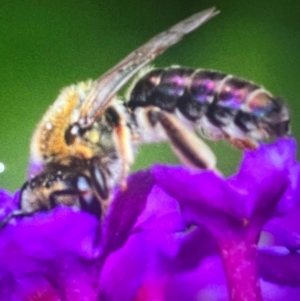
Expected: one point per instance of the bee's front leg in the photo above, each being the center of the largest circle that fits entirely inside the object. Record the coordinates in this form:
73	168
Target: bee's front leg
122	135
11	215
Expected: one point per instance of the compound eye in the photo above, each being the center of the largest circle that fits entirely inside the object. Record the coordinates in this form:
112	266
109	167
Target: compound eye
71	133
88	200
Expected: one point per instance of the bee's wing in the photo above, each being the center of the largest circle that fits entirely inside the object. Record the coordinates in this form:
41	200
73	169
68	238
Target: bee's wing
112	81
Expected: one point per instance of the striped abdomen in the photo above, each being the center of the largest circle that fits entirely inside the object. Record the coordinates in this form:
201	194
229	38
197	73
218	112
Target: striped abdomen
237	107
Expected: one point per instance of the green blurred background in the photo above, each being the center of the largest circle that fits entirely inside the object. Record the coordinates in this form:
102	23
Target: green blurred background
46	45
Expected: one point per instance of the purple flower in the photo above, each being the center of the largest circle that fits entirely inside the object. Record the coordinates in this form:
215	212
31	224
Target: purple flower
69	255
174	234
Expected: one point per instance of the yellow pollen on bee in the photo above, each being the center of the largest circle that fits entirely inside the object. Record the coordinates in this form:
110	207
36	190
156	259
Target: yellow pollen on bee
49	140
94	136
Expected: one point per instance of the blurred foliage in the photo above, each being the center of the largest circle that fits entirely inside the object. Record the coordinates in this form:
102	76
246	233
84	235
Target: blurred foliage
46	45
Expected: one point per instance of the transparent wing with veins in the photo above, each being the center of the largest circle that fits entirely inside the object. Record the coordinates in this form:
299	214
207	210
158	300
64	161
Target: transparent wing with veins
112	81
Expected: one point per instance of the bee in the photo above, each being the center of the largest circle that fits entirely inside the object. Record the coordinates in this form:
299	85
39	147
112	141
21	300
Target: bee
86	142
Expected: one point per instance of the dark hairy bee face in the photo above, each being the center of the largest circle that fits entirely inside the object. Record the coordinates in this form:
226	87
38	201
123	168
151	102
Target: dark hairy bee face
86	141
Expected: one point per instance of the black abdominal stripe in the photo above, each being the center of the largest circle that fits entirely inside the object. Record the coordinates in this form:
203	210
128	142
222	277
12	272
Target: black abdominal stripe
233	105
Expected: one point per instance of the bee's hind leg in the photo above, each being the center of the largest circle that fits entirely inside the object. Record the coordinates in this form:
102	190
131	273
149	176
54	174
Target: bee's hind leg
190	149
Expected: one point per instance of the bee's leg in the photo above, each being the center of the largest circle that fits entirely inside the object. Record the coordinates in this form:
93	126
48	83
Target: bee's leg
123	139
190	149
99	179
11	215
50	189
125	149
84	200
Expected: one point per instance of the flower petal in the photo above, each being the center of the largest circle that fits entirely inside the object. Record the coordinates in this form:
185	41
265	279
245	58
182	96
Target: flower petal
248	198
148	230
49	254
124	211
264	176
204	197
279	266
